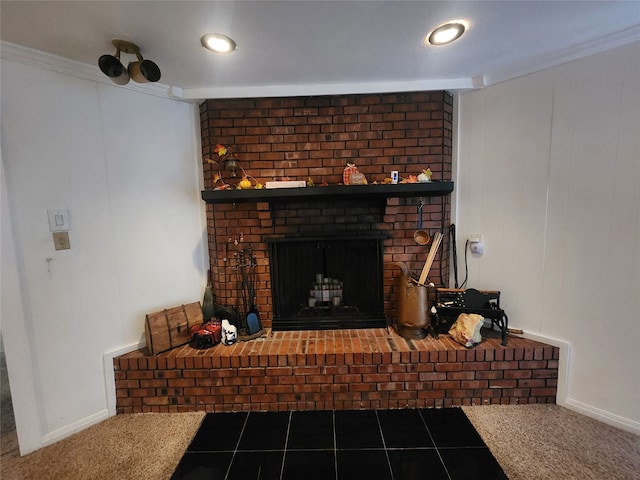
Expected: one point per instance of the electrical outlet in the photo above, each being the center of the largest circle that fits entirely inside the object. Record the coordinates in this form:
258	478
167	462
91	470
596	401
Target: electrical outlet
475	238
61	240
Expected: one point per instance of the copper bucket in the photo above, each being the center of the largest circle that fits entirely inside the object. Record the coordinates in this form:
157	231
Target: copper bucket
413	306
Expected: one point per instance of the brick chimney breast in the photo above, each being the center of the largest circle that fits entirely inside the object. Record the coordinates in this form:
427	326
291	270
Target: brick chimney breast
315	137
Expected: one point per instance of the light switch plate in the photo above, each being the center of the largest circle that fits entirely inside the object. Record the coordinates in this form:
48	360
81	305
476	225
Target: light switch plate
61	240
59	220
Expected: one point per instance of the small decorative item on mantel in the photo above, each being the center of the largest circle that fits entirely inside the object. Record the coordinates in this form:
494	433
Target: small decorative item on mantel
357	179
349	170
352	176
231	162
425	176
218	182
227	158
409	179
248	182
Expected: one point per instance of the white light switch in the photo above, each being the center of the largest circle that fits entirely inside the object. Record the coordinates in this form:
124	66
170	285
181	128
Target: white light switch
59	220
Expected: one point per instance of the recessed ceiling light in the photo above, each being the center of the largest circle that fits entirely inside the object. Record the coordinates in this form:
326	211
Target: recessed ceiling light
447	32
218	43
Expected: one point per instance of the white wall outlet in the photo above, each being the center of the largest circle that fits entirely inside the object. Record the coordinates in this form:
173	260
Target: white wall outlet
475	238
61	240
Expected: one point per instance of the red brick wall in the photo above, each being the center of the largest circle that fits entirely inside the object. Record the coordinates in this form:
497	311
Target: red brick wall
363	370
302	137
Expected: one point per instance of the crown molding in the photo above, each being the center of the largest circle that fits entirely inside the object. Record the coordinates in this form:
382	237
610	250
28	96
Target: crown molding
53	63
618	39
294	90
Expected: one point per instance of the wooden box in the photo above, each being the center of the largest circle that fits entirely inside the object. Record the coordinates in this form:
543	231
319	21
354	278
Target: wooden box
170	328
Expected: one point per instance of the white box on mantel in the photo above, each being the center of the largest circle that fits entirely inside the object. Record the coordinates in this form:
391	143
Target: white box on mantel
286	184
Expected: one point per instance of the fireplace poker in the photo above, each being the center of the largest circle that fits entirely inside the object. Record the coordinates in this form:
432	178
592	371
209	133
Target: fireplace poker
246	275
253	316
236	255
250	280
243	288
254	279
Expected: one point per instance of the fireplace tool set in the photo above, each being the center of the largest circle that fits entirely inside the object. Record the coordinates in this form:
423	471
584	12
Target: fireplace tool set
245	267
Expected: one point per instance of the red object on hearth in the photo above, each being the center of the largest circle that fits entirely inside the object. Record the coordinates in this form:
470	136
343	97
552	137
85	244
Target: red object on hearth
215	327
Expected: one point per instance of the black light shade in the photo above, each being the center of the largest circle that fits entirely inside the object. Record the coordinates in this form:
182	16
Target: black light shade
110	66
150	70
144	71
113	69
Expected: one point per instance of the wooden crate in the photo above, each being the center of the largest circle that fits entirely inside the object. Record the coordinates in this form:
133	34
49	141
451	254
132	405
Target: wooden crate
169	328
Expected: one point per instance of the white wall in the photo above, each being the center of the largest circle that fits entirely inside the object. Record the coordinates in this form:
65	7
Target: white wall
126	165
548	171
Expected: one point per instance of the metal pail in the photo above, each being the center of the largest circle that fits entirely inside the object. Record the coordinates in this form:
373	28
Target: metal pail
413	306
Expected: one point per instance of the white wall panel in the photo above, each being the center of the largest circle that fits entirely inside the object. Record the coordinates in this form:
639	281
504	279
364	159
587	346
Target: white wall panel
561	214
153	187
126	166
51	144
506	202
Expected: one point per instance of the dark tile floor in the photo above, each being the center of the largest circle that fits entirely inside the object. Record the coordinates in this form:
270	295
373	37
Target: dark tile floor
330	445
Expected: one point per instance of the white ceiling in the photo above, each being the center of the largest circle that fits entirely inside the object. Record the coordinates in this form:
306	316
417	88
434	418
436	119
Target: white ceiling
330	46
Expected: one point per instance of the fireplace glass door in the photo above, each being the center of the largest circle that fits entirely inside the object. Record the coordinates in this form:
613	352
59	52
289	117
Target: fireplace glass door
327	283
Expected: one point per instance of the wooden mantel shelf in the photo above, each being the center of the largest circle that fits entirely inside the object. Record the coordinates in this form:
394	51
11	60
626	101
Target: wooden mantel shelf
383	191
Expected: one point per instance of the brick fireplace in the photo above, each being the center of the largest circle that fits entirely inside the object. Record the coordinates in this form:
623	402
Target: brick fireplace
313	138
344	368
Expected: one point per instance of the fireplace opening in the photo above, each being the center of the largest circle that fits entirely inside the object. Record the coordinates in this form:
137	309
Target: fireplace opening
321	283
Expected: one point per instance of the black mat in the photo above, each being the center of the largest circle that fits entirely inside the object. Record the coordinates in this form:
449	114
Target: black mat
338	445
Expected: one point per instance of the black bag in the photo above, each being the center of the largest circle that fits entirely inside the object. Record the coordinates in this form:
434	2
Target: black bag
202	339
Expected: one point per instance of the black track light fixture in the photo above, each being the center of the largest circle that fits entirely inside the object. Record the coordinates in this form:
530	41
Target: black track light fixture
141	71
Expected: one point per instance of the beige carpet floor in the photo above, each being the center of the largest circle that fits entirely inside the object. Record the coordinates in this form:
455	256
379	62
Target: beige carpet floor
548	442
531	442
138	446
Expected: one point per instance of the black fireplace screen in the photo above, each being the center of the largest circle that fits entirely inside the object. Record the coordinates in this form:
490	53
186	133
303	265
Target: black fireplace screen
327	283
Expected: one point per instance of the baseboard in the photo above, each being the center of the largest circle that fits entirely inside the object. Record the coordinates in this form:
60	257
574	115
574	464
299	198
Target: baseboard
110	388
75	427
109	378
563	399
603	416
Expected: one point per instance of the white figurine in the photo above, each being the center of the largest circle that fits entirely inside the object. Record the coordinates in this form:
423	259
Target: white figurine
229	333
